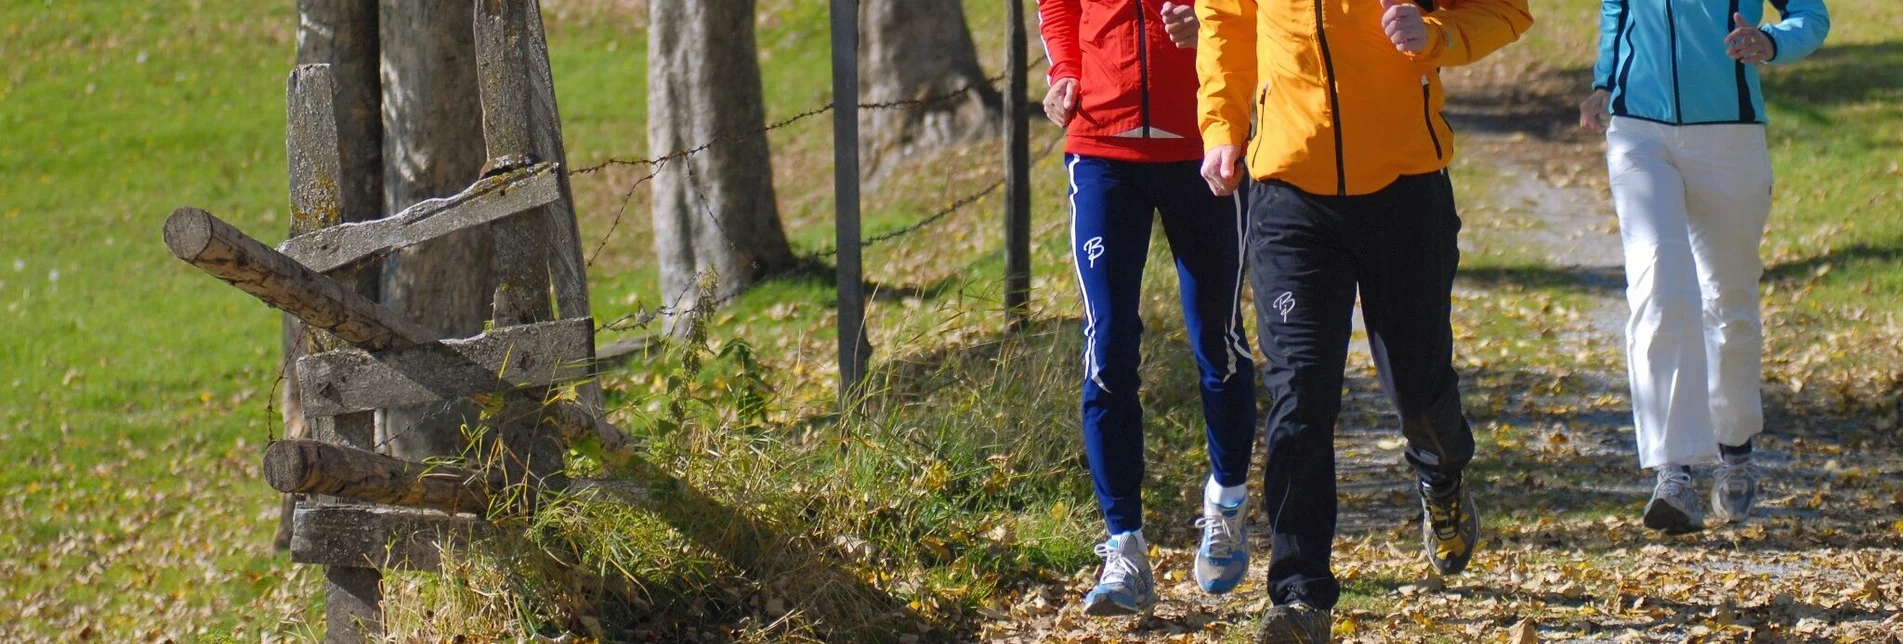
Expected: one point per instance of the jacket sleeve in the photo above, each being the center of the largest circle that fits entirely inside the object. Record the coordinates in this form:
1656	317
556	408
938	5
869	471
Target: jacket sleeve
1801	32
1057	23
1465	31
1611	13
1225	70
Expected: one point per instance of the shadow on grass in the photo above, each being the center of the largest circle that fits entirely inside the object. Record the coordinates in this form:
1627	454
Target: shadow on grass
1589	280
1610	280
839	605
1855	254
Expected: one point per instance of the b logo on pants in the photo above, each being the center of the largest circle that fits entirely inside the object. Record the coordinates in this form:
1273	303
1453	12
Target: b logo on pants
1093	248
1284	303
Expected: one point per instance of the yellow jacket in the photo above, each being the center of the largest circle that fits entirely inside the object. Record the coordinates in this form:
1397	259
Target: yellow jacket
1340	111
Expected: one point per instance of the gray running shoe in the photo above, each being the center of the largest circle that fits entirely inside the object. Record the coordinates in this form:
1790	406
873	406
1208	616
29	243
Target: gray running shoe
1674	506
1295	623
1734	488
1126	586
1223	557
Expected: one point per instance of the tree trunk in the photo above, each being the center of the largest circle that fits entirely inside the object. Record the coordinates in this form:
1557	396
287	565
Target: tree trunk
432	147
714	210
915	50
342	34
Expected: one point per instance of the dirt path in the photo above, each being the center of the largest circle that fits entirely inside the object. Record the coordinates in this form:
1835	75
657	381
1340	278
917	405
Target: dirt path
1566	559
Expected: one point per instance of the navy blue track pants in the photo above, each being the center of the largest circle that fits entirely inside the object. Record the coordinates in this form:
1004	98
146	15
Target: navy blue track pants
1112	206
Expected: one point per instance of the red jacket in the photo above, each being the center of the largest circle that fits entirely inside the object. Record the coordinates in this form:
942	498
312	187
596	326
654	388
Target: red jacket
1136	91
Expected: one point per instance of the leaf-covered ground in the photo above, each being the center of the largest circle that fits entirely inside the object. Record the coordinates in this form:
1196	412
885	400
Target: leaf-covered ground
957	508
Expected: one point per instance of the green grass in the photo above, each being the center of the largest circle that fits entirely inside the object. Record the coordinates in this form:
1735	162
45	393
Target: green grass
133	390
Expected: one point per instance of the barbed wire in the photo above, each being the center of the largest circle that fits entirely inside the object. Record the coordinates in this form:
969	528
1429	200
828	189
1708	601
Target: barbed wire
659	163
642	317
942	213
785	122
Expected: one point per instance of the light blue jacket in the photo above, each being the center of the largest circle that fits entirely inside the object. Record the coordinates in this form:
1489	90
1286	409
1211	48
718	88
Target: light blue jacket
1664	60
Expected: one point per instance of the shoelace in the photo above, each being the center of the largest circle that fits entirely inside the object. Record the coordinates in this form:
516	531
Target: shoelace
1217	534
1443	513
1739	474
1117	568
1673	482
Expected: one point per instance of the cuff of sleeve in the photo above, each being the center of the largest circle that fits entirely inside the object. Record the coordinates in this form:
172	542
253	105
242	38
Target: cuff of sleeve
1436	40
1768	35
1060	72
1604	87
1218	135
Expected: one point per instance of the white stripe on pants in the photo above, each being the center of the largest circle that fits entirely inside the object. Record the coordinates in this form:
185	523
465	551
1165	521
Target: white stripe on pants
1692	203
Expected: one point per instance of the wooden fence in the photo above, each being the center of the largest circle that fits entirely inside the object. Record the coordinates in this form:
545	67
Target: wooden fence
360	512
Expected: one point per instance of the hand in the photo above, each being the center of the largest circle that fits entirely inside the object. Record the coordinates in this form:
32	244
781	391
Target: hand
1222	169
1592	111
1180	21
1404	26
1747	44
1061	102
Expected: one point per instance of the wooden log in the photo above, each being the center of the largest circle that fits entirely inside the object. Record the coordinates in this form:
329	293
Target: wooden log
228	254
368	536
507	358
304	466
488	200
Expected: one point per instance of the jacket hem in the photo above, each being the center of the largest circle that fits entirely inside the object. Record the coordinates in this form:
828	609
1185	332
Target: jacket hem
1134	149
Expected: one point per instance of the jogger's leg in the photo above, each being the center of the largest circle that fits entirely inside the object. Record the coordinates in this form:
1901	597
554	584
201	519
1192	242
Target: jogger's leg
1206	236
1110	235
1728	201
1665	349
1304	282
1407	259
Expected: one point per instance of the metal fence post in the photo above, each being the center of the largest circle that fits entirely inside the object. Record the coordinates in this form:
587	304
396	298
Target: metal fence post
1017	191
853	346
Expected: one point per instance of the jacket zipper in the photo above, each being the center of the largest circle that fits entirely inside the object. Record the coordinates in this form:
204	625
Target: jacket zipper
1747	113
1334	102
1678	105
1143	68
1427	114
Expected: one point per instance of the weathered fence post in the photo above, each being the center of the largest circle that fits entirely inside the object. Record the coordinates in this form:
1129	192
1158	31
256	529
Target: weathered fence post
854	349
342	34
351	594
525	245
1017	183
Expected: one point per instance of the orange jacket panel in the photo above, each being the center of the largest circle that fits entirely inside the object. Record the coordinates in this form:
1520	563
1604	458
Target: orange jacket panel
1339	111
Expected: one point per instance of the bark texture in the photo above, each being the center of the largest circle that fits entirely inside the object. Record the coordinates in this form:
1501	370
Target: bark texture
914	50
432	147
714	210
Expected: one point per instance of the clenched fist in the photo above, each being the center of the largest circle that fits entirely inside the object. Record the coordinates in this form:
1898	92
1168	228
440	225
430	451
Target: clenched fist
1404	25
1061	102
1180	21
1222	169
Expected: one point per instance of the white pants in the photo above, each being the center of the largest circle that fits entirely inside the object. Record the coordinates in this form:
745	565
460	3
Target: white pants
1692	203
